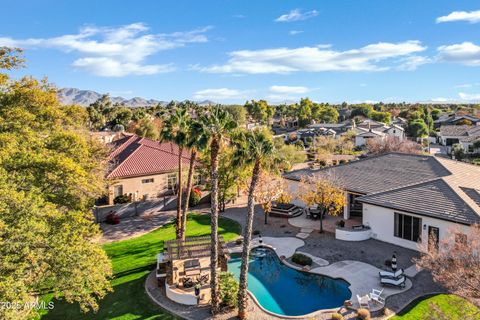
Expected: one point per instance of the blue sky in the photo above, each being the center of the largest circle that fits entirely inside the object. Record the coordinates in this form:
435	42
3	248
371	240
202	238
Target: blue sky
230	51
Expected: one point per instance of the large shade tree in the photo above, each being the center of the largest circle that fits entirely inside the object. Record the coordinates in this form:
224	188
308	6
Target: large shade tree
324	192
216	126
50	173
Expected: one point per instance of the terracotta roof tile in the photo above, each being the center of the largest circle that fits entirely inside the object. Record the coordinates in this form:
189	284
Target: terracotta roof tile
134	156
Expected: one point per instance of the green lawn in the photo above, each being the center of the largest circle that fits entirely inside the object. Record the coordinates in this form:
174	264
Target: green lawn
453	308
132	261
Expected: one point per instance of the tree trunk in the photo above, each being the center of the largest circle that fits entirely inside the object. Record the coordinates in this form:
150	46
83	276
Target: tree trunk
266	216
191	170
215	303
247	237
179	195
322	213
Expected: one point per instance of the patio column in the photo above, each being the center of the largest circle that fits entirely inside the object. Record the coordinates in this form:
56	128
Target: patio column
346	208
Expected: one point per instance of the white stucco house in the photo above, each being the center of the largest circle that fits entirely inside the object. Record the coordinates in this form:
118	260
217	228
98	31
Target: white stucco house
464	135
367	129
404	198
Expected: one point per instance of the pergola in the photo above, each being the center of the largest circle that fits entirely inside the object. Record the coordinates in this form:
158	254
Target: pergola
191	248
190	258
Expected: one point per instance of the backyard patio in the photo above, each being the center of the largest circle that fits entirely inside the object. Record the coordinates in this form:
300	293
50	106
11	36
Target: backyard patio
352	255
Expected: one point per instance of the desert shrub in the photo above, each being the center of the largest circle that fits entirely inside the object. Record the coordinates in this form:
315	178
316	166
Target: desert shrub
302	259
195	197
363	314
227	289
322	163
112	218
121	199
337	316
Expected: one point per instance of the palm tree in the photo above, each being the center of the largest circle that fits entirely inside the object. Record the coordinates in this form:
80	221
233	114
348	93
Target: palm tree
216	124
257	148
196	141
175	130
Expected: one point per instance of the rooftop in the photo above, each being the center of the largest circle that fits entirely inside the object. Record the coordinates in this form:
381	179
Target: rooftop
134	156
422	184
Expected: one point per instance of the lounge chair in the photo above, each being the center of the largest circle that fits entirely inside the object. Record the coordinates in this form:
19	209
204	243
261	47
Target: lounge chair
390	274
375	295
364	301
398	282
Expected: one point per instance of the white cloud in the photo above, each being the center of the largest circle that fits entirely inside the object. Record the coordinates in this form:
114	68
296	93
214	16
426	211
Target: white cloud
297	15
468	85
108	67
466	53
315	59
219	94
471	16
439	99
115	52
288	89
294	32
469	96
411	63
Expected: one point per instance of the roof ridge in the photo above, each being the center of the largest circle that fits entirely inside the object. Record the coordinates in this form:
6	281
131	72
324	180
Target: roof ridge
124	160
465	198
401	187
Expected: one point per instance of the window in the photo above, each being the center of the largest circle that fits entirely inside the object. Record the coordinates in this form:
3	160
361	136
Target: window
117	191
147	180
407	227
171	181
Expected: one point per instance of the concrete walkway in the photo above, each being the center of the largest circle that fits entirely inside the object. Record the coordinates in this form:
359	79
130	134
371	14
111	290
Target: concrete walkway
329	222
363	277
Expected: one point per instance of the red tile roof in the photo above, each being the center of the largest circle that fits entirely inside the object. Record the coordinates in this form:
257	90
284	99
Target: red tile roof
134	156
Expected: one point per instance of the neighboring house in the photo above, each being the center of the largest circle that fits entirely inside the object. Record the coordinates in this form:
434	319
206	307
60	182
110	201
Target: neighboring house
405	198
452	119
367	129
464	135
142	168
399	121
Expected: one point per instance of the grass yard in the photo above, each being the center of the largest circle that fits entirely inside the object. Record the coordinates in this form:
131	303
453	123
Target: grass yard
451	306
132	261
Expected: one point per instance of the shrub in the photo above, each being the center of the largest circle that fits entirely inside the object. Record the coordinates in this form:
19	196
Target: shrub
337	316
112	218
284	198
256	232
363	314
302	259
322	163
195	197
121	199
227	289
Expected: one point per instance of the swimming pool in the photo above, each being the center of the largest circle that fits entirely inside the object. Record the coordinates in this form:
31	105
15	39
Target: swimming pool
286	291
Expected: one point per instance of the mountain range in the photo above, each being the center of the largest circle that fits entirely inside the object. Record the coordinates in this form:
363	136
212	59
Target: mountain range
87	97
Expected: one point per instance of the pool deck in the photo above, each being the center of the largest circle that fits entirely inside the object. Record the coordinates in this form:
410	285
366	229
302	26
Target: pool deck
363	277
356	262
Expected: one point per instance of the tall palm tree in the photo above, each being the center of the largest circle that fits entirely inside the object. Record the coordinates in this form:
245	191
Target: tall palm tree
196	141
216	125
257	148
175	130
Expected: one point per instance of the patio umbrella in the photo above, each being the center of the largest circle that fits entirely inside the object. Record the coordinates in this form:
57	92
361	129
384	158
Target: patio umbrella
394	262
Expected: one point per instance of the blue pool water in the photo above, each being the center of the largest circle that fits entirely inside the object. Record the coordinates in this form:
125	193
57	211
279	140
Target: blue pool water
286	291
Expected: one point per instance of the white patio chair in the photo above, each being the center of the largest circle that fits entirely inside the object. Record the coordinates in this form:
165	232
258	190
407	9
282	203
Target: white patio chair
364	301
376	295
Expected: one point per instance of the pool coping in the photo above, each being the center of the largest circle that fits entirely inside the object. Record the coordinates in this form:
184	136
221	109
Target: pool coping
285	262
